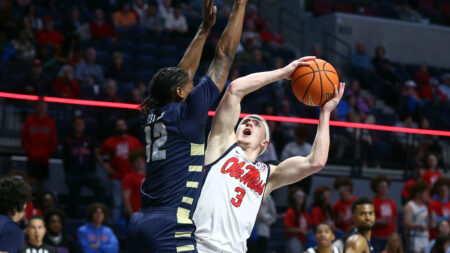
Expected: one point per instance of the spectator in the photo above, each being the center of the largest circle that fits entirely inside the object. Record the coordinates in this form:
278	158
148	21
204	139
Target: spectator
165	8
289	128
394	244
125	19
7	52
7	22
118	71
271	36
111	91
441	245
443	229
445	86
48	35
422	77
101	29
342	208
65	85
362	103
24	47
94	237
431	173
140	8
270	154
360	60
14	195
296	221
26	26
267	215
176	22
439	206
136	96
46	202
152	20
416	219
32	16
385	212
89	72
299	147
410	99
317	52
384	67
39	140
35	232
54	223
75	27
324	237
321	211
417	177
131	185
432	92
70	52
250	37
35	81
252	15
406	140
118	148
79	164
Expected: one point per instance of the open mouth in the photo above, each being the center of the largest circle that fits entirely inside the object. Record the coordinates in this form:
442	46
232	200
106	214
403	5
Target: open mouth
247	132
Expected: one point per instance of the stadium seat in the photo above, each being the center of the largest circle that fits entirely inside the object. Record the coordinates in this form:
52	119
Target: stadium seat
167	62
322	7
343	7
146	49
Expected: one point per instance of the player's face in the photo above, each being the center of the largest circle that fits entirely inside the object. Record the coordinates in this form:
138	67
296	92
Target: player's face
252	131
324	236
364	216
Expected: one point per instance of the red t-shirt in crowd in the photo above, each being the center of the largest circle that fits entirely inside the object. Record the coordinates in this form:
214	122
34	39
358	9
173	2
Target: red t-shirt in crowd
408	184
30	210
133	181
53	37
343	209
439	210
118	148
303	221
102	30
39	138
384	209
66	88
317	217
430	177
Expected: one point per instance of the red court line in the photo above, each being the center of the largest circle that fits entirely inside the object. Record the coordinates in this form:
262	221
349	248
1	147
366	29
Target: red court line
211	113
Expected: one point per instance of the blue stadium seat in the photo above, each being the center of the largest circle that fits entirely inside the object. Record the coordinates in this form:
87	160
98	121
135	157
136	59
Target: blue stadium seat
167	62
146	49
170	51
144	62
144	75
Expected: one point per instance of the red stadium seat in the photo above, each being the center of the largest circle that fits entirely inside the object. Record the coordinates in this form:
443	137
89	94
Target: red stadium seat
343	7
322	7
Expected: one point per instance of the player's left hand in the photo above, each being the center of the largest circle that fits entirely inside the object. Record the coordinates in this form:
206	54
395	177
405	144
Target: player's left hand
289	70
332	103
209	14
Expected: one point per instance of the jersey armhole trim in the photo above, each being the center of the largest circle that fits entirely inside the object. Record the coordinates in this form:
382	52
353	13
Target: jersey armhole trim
222	156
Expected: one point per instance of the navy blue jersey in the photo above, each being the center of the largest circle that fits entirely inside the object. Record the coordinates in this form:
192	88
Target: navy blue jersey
175	137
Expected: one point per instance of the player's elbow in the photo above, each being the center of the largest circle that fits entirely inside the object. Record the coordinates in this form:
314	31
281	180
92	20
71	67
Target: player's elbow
317	164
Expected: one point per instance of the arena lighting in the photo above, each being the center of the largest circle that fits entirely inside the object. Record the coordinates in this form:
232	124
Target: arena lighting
211	113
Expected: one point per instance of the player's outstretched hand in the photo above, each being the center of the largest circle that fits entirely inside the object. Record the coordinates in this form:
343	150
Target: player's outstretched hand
290	69
332	103
209	14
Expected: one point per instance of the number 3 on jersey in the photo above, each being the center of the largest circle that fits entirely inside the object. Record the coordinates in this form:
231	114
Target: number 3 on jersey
160	136
238	200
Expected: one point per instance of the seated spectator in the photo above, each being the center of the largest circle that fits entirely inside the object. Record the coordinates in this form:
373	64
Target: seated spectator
69	52
101	29
342	208
26	26
33	17
443	230
74	26
110	93
363	103
250	37
296	221
48	35
152	20
403	138
24	47
299	147
407	13
324	237
65	85
79	164
54	223
14	195
422	76
46	202
441	244
7	52
271	36
257	63
136	96
439	206
125	19
416	219
35	81
267	215
432	92
252	15
394	244
140	8
360	60
432	173
289	128
417	177
270	154
321	211
118	71
88	72
131	184
7	16
176	23
410	100
94	237
384	67
35	232
385	212
165	8
445	86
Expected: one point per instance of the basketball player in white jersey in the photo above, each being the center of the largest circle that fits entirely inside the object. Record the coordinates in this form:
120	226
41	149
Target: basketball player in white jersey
235	183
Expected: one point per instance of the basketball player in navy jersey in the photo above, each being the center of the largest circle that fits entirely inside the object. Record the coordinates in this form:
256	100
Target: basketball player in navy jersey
176	114
363	216
236	183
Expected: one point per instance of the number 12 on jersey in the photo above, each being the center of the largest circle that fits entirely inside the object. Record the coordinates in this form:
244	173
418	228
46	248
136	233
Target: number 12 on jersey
160	136
238	199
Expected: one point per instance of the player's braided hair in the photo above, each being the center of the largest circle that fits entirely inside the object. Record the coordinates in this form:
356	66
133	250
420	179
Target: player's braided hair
163	88
14	193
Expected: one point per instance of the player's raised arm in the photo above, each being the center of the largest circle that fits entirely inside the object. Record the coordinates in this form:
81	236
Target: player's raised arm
193	54
227	115
296	168
227	46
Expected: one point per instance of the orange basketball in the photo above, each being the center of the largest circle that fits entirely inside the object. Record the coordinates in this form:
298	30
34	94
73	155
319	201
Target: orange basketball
313	85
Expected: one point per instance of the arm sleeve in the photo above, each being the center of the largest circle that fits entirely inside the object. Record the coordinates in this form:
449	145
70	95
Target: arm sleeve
194	111
112	246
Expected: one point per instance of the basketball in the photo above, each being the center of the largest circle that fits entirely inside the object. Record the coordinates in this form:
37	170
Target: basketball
313	85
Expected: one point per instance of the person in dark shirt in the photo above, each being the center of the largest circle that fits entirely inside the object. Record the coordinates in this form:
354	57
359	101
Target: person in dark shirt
54	221
79	163
35	232
14	195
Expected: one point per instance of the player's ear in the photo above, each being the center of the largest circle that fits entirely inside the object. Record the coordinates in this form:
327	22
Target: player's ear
264	143
180	92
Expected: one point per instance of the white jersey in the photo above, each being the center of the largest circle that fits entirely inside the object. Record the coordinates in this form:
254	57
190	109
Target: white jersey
229	202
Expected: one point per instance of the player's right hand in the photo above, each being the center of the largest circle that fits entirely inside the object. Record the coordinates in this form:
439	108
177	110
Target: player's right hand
209	14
